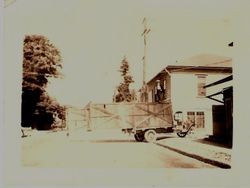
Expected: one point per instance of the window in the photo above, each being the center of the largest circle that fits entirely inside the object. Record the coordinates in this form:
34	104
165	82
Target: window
201	84
200	119
191	116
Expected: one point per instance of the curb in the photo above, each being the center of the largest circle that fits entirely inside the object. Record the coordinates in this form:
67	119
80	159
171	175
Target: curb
200	158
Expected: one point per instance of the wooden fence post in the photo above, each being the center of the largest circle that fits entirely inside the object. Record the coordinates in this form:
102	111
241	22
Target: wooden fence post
88	116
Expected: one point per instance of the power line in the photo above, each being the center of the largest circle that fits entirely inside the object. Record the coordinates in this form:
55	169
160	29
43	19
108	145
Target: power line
196	66
193	67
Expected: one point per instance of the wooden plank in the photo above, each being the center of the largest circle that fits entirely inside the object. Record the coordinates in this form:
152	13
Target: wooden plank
113	116
150	116
153	113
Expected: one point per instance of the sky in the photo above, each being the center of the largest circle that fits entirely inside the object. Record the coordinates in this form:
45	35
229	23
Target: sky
93	36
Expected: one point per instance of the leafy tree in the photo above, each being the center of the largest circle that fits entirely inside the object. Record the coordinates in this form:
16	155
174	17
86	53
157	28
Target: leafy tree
41	61
124	93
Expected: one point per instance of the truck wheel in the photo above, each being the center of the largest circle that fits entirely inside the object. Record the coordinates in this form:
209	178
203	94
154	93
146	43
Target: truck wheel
150	136
139	137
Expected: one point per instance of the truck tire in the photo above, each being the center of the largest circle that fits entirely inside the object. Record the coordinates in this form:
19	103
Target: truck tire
139	137
150	136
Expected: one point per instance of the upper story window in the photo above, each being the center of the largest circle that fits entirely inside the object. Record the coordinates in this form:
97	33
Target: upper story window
200	85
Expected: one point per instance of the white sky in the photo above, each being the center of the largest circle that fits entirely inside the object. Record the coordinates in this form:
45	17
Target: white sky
94	35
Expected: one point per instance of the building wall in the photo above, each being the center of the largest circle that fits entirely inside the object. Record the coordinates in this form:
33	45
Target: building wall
184	91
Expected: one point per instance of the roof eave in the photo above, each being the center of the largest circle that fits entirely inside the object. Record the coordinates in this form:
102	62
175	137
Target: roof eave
174	68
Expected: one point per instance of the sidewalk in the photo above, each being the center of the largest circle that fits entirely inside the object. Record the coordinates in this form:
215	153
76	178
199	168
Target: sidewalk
199	148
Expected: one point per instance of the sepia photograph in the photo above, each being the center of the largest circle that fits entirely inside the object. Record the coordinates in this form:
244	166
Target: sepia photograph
120	92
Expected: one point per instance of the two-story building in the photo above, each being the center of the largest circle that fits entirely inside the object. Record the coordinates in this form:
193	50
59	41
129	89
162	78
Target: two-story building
183	85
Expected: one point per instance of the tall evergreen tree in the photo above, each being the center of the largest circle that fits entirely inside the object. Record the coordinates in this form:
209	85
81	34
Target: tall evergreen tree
124	93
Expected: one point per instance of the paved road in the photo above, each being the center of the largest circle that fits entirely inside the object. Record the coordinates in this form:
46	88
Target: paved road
99	150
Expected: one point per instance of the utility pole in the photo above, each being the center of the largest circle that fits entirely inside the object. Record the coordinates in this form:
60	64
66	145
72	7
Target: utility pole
144	34
144	97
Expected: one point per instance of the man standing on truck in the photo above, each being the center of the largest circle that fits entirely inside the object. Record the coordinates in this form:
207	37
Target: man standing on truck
159	91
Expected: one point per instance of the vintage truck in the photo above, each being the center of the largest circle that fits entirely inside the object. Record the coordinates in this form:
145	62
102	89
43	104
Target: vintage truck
145	120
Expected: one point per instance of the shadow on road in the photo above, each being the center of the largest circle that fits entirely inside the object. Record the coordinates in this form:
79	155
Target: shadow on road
210	142
112	141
